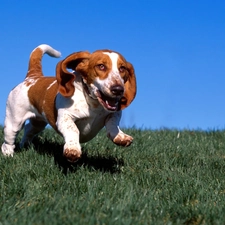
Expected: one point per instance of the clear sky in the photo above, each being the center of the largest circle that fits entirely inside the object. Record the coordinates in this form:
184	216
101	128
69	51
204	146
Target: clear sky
176	47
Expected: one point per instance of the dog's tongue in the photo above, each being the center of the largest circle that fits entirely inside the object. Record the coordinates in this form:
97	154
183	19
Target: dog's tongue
109	103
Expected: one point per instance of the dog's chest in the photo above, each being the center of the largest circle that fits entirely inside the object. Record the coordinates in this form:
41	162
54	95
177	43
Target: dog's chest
90	126
90	121
88	115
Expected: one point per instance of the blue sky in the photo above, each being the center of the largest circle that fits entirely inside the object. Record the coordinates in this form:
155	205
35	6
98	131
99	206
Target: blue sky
176	47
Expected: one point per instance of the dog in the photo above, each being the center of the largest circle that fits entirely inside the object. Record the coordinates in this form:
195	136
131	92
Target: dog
88	92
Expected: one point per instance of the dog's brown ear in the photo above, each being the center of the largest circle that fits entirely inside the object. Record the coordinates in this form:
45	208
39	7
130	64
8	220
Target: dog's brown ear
130	88
65	78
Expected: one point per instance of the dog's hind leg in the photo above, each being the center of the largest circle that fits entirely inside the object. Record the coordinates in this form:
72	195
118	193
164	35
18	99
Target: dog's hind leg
17	112
10	133
11	129
31	129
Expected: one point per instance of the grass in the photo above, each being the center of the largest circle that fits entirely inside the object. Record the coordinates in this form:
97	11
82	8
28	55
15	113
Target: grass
165	177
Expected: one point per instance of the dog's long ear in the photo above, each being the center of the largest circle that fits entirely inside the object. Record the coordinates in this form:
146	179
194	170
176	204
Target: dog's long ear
130	88
65	78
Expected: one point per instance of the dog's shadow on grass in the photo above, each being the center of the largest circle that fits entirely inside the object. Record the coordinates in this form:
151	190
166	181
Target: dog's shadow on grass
100	163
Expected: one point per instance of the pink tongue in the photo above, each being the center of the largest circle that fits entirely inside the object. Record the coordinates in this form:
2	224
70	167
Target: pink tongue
107	102
111	102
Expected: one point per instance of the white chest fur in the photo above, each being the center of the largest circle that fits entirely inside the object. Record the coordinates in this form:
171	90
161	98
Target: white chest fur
88	115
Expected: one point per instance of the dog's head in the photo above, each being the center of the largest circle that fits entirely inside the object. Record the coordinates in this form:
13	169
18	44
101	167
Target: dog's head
107	75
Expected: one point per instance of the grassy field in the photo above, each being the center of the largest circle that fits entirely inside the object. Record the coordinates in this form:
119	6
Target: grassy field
165	177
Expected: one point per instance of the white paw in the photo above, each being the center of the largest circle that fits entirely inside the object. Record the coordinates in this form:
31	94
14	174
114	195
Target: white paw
8	150
71	152
123	140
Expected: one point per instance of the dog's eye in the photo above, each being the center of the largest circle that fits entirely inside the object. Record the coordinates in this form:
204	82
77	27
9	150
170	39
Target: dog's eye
122	69
102	67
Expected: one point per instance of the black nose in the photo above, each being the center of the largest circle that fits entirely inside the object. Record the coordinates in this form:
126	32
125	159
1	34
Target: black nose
117	90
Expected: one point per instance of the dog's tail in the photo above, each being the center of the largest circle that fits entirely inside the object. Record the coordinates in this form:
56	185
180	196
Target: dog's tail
35	67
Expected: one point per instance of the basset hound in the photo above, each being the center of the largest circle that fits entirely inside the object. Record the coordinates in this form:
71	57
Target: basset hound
88	92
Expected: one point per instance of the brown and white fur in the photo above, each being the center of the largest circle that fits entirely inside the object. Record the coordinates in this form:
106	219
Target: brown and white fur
88	93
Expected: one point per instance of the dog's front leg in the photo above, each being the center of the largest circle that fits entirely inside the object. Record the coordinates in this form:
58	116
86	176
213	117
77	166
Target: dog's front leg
70	132
113	131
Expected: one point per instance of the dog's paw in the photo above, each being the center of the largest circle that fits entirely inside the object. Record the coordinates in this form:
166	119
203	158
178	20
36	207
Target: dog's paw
71	154
123	139
8	150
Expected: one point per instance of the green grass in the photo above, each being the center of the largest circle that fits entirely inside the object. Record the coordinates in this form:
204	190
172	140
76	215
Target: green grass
165	177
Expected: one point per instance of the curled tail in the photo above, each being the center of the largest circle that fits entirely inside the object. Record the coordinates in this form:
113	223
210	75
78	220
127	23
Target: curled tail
35	67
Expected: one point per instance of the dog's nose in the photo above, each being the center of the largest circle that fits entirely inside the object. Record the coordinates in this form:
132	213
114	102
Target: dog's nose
117	90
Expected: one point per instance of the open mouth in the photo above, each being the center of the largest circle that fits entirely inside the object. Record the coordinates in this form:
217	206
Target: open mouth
109	103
